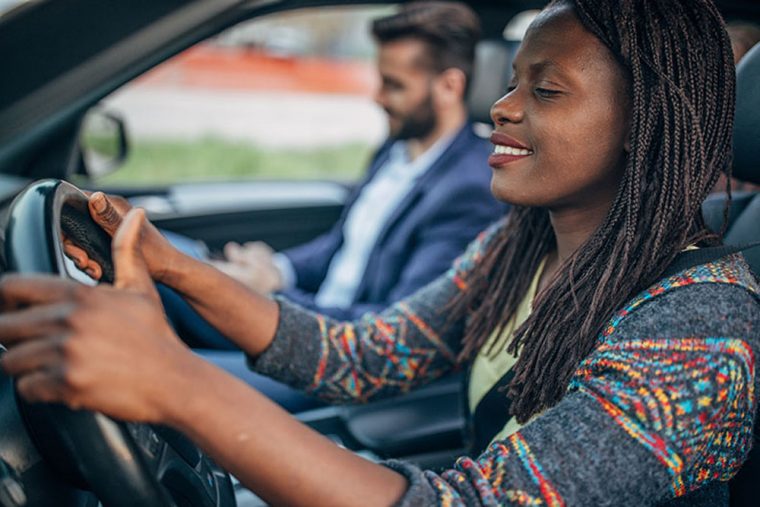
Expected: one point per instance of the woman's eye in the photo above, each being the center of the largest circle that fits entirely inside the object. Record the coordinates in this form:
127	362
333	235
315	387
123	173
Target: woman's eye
546	93
511	88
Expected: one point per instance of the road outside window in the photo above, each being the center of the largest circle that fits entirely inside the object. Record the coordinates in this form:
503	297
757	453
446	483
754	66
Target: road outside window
284	97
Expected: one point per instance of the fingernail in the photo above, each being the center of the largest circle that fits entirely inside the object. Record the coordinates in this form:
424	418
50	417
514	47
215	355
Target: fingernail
98	202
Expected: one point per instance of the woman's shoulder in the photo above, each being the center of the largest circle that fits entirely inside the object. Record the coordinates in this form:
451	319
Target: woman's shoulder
476	250
720	298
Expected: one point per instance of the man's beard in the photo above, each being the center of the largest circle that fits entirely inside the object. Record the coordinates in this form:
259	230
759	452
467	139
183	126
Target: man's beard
419	123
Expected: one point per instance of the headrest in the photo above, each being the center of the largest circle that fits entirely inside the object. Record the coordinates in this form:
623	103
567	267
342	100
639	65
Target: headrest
747	122
493	70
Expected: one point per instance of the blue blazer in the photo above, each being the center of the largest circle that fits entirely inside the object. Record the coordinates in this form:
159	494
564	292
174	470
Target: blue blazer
447	207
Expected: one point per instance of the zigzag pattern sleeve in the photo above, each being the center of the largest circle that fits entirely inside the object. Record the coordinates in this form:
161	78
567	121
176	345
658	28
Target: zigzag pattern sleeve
658	411
409	344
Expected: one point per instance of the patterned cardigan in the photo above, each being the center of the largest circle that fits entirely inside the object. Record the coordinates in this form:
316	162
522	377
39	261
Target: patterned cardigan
662	409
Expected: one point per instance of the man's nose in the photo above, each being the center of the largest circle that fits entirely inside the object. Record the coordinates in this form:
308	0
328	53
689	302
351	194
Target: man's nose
508	109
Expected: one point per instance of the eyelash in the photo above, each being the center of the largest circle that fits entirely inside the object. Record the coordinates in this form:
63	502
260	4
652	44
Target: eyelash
546	93
543	93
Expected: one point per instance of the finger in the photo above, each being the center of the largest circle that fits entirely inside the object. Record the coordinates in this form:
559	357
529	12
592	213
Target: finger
82	260
75	253
32	323
42	386
129	263
232	251
105	213
22	290
259	248
94	270
33	355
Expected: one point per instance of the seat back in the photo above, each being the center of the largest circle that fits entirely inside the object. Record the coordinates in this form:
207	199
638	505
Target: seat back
493	70
744	228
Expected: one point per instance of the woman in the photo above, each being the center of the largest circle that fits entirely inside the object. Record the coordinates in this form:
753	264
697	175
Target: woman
628	385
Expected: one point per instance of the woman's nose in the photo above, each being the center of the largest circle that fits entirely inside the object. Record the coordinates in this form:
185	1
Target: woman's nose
508	109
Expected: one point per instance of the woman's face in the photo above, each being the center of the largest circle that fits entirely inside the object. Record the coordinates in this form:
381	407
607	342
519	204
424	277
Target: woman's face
560	130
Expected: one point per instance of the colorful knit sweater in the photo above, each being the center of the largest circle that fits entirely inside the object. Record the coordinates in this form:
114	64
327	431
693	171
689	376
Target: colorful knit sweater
662	408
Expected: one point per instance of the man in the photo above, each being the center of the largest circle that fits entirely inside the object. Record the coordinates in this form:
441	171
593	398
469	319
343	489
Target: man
427	190
425	197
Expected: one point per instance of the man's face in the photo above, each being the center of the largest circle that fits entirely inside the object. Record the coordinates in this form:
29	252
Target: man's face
406	91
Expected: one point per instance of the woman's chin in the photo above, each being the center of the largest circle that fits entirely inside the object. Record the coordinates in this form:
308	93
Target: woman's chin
510	195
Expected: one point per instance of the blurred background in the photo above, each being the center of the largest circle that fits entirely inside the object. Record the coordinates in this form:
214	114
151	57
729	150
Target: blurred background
284	97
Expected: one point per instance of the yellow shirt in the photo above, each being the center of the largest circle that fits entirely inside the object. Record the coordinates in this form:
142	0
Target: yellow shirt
488	369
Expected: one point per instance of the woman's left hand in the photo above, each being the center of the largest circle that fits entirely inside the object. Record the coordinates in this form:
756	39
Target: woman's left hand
105	348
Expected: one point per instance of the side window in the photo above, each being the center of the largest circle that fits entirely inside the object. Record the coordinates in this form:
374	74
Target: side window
288	96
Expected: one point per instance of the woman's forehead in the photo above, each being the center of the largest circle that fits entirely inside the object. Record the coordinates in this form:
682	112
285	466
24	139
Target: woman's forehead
558	41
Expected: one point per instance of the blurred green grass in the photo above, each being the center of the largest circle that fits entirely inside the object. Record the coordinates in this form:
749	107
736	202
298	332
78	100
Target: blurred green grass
212	159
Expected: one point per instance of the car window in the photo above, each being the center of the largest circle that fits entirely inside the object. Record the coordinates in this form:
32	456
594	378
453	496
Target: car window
287	96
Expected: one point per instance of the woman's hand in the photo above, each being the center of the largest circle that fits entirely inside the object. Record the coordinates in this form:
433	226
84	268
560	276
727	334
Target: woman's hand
109	349
105	348
109	212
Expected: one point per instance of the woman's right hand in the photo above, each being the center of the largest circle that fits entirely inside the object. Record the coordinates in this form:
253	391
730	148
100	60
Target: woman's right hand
108	211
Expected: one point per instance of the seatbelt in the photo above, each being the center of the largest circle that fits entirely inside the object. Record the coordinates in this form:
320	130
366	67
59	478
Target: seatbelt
492	412
692	258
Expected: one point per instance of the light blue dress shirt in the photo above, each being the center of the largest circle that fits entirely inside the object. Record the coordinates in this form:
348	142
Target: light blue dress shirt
365	221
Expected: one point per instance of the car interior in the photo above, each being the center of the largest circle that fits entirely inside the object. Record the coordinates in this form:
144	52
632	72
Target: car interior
53	456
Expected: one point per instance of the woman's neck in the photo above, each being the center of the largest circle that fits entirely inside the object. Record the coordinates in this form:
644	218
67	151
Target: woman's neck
572	228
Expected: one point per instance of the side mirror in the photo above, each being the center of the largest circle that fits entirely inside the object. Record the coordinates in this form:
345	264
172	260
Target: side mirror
102	142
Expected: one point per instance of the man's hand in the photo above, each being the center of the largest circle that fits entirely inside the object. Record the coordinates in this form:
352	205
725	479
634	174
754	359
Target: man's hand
106	348
252	265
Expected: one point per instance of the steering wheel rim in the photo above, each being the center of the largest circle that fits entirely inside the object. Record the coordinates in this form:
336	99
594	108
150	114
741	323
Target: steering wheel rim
124	464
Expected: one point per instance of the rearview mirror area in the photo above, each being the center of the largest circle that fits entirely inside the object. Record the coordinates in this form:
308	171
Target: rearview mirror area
102	142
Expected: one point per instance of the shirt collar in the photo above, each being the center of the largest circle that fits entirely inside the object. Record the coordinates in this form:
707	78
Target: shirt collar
399	155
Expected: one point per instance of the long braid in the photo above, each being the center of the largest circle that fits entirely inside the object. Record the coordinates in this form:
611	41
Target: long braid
678	59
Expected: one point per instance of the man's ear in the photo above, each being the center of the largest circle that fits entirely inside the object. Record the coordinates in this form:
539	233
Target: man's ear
451	84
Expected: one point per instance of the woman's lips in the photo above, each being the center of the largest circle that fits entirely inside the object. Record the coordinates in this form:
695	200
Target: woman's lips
506	150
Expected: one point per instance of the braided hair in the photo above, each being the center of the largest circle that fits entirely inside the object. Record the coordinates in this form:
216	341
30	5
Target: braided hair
679	63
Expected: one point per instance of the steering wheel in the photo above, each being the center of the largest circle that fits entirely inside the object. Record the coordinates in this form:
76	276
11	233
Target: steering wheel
123	464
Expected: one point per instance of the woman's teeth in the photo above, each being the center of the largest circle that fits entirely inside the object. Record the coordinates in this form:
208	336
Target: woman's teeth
508	150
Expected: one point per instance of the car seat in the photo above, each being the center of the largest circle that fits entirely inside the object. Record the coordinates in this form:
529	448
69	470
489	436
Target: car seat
743	228
744	210
493	70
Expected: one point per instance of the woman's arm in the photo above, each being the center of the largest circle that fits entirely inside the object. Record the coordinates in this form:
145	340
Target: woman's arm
246	318
109	349
273	454
81	346
664	407
377	355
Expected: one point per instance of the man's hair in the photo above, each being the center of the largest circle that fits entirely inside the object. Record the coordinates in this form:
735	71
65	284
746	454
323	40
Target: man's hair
449	29
680	72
